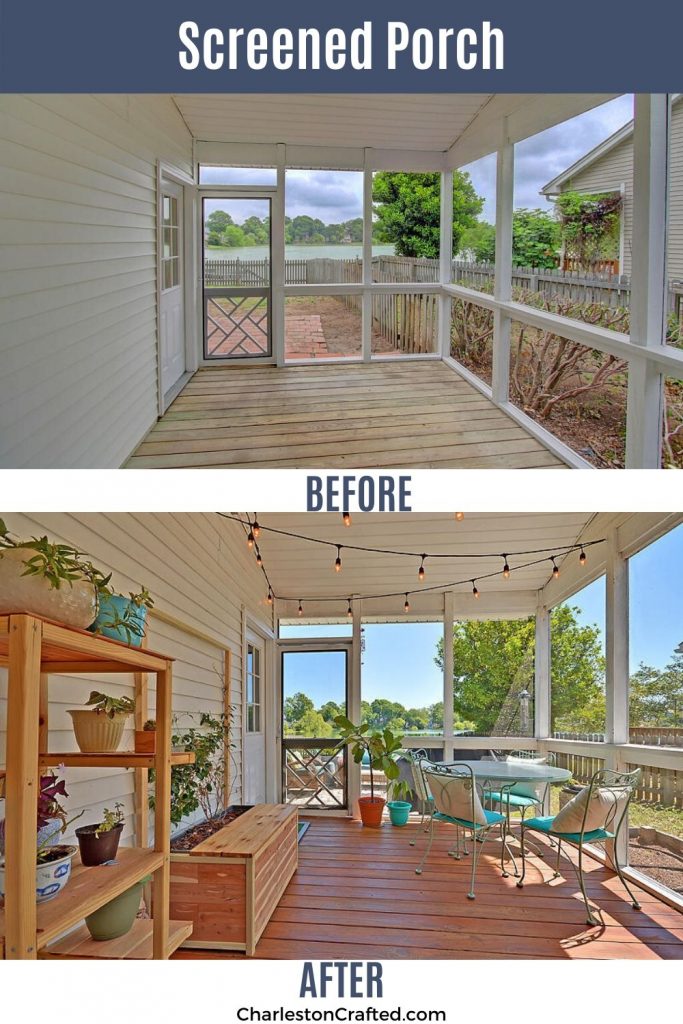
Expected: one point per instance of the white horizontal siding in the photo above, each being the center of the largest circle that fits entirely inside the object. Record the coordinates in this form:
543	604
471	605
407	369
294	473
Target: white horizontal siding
200	574
78	288
675	226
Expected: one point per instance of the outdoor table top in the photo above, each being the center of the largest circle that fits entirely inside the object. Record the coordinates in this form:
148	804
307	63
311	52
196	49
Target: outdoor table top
515	771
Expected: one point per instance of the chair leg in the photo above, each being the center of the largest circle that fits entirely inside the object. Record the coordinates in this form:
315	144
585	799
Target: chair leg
455	851
428	848
617	867
520	881
557	862
475	857
591	919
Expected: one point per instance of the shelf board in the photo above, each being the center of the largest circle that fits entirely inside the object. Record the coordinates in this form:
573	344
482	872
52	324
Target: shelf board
88	889
134	945
110	759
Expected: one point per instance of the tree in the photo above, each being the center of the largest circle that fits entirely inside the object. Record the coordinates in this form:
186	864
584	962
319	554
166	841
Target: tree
590	225
408	210
478	243
296	707
656	695
218	221
331	710
536	237
493	658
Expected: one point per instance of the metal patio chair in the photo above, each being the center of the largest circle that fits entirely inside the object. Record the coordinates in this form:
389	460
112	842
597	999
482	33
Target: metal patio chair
522	797
613	790
418	763
458	802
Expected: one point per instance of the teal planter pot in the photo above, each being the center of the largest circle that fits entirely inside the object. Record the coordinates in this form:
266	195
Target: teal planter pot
398	812
113	609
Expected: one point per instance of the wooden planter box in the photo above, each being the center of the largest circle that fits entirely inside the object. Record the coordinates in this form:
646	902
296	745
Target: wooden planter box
230	884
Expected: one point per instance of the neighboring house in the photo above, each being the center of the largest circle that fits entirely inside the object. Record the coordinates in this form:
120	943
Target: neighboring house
609	168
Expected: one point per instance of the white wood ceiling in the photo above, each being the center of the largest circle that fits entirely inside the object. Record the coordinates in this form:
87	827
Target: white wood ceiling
381	121
300	569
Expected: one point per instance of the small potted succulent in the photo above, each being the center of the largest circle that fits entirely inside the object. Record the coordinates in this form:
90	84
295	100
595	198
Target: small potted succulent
381	750
100	730
123	618
54	581
99	843
399	806
117	916
146	738
53	859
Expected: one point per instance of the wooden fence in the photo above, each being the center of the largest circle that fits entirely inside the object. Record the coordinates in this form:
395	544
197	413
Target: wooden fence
660	786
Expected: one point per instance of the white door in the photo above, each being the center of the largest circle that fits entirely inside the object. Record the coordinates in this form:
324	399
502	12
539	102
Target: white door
255	718
172	307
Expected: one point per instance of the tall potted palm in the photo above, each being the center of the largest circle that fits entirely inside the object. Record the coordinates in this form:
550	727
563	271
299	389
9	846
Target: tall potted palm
381	748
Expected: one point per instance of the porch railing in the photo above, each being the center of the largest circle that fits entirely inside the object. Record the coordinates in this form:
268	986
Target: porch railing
314	773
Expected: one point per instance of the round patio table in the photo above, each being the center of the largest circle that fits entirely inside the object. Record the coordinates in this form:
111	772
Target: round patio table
509	772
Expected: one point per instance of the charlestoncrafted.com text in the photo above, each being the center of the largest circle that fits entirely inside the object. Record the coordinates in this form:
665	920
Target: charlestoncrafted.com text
341	1013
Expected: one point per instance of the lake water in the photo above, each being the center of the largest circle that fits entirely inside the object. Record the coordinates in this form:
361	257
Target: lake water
298	252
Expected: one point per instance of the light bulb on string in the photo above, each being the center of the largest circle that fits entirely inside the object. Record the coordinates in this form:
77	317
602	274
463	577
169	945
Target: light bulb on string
556	571
259	560
506	568
250	539
349	610
421	570
475	592
269	599
406	606
346	517
459	516
300	609
255	528
338	561
582	557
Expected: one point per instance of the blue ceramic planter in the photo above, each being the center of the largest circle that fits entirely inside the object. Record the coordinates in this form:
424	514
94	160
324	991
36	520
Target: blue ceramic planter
398	812
112	608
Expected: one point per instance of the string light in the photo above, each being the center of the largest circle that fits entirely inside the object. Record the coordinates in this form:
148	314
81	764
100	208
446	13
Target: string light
269	599
406	606
300	609
421	571
259	560
349	610
255	528
459	516
556	571
346	518
506	568
250	539
475	592
582	557
337	563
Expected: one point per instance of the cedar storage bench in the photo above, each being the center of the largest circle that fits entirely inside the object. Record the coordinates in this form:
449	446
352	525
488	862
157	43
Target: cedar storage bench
230	884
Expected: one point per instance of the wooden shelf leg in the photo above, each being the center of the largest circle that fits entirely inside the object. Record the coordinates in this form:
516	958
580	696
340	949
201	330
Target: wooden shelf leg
23	708
162	812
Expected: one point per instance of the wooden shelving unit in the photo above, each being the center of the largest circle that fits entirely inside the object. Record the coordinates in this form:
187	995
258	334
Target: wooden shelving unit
35	649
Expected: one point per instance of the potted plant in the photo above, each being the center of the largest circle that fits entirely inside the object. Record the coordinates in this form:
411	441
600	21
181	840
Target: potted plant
123	618
146	738
101	729
381	749
99	843
54	581
53	859
399	805
117	916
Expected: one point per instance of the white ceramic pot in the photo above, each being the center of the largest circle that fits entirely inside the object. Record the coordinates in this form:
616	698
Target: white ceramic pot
96	731
50	878
74	605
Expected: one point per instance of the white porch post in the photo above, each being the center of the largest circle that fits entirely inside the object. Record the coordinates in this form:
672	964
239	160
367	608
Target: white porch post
617	663
502	289
277	270
448	676
445	261
353	784
367	262
542	684
648	279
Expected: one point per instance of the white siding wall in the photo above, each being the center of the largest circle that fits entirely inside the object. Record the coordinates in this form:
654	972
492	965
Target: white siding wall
200	573
617	166
78	282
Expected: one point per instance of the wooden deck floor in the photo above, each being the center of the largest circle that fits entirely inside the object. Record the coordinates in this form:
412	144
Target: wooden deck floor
356	896
378	415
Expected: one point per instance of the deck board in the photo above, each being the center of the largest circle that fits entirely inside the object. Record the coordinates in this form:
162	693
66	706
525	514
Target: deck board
419	414
356	895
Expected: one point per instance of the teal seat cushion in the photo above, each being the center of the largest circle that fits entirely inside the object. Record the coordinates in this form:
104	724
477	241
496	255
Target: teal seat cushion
545	825
492	818
513	799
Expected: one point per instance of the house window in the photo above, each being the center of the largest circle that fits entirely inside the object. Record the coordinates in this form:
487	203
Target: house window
253	689
170	250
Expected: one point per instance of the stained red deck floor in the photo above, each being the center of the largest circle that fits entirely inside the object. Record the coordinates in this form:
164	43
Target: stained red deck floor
356	896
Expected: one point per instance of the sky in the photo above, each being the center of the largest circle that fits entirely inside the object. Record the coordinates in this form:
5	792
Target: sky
336	196
398	662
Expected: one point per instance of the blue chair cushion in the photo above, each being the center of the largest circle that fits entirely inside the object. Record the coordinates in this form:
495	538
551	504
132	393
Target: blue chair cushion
545	825
492	818
513	799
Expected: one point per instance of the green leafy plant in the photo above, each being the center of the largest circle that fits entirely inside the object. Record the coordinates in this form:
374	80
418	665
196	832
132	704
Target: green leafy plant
590	225
150	725
382	748
111	706
400	790
127	622
202	785
59	564
110	819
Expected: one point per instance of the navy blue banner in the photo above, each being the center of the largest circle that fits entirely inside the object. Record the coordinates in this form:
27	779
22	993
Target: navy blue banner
397	46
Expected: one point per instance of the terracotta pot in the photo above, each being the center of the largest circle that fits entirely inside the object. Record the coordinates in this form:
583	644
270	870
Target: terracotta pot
98	848
371	810
96	732
74	605
145	741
